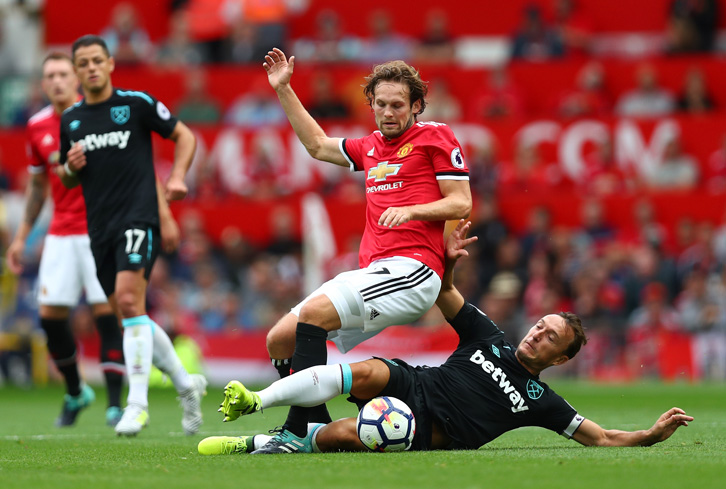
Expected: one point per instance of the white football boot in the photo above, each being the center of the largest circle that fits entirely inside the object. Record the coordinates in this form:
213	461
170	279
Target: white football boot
191	403
134	419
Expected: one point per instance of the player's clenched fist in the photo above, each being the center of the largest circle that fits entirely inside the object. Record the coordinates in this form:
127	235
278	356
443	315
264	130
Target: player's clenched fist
176	189
76	158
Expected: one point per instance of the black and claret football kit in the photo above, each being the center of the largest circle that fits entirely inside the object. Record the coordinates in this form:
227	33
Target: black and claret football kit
480	392
118	181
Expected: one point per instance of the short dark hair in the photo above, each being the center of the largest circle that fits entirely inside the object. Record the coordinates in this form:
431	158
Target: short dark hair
56	56
89	40
401	72
574	322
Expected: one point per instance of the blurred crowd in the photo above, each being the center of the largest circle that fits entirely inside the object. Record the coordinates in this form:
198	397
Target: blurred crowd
653	299
203	33
640	291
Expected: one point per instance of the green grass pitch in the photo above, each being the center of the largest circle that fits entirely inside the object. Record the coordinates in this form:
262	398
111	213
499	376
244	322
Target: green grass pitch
89	455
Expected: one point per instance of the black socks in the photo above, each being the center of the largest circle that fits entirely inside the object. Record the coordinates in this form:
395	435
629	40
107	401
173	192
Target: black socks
62	348
310	350
112	356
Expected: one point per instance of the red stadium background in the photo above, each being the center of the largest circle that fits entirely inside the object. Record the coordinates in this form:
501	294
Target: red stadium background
563	143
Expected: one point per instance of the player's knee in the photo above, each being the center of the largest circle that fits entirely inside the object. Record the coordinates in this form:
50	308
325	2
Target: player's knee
101	309
128	305
369	378
281	342
320	312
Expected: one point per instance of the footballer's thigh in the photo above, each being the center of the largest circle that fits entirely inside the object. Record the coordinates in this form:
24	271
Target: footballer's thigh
389	292
59	279
124	264
370	377
340	435
95	295
54	312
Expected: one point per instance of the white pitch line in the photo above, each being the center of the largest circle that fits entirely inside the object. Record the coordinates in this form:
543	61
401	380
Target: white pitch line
71	436
50	437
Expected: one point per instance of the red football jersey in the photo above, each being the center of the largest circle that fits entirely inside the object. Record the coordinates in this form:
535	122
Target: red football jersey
69	213
401	172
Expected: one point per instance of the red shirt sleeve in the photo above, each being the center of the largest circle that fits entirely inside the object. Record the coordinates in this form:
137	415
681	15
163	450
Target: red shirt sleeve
353	151
36	163
447	155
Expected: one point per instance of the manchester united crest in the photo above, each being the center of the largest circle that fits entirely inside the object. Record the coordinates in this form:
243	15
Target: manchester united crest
405	150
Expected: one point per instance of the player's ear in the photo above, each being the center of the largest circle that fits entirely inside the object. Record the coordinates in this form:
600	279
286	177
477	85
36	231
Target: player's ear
561	360
111	64
416	107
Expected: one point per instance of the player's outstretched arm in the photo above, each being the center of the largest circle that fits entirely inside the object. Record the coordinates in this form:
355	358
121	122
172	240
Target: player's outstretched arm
35	196
184	146
279	72
590	434
450	300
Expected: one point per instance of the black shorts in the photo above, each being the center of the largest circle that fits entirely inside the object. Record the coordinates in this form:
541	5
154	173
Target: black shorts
133	248
403	384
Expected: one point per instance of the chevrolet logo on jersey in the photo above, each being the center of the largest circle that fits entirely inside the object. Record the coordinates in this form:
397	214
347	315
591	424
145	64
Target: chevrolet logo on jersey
382	170
120	115
99	141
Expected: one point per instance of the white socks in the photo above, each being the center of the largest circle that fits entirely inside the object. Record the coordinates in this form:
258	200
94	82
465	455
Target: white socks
138	346
166	360
307	388
144	342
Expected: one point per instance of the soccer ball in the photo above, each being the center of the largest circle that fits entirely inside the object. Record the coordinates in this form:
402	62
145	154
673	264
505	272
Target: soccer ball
386	424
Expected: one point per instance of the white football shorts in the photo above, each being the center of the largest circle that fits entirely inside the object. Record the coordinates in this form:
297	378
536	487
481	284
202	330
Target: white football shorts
392	291
67	268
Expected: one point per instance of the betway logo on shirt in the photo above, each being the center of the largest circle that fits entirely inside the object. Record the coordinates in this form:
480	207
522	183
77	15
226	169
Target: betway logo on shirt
99	141
501	378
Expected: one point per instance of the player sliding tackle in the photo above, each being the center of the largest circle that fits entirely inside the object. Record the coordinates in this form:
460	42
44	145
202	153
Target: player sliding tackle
484	389
416	180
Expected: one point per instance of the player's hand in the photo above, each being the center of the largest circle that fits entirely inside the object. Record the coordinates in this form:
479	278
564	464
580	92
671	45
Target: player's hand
76	157
395	216
175	189
279	69
457	241
170	235
15	257
668	423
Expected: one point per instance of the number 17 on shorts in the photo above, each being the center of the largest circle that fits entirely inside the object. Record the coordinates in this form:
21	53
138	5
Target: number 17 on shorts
138	248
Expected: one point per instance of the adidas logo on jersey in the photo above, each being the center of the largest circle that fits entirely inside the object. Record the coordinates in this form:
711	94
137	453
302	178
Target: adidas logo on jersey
370	153
99	141
374	314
